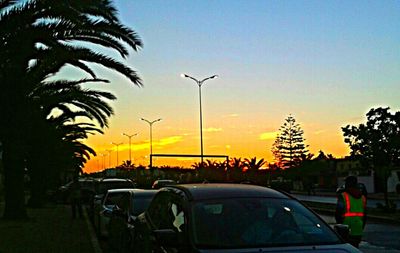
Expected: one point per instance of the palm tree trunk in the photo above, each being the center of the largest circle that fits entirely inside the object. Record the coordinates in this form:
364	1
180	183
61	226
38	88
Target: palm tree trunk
13	181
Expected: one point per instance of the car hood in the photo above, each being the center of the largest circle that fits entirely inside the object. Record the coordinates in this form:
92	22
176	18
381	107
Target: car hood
336	248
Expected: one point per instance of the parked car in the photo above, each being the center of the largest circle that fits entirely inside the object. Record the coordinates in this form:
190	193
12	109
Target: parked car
232	218
162	182
101	188
121	229
87	185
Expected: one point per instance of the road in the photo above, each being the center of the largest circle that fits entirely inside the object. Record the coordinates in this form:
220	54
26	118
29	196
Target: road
378	237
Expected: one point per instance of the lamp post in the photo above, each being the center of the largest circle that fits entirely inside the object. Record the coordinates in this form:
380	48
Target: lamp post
200	83
130	137
109	157
151	138
103	163
117	145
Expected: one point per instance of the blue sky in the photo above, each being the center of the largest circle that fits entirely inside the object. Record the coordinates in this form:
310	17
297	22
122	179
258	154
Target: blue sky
325	62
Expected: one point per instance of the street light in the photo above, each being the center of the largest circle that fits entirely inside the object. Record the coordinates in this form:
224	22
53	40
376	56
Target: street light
103	163
109	157
130	152
151	138
200	83
117	144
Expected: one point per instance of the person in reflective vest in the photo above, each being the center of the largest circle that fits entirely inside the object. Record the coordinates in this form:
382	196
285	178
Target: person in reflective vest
351	210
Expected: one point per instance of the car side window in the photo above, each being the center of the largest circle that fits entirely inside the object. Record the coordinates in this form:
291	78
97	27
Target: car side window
166	212
123	202
158	210
112	199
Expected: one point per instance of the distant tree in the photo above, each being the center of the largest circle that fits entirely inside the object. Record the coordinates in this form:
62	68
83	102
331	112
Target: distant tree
276	152
253	167
235	169
289	148
377	142
323	156
252	164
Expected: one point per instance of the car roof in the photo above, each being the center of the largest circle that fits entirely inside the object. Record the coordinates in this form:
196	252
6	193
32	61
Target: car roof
215	191
135	191
124	190
115	180
164	180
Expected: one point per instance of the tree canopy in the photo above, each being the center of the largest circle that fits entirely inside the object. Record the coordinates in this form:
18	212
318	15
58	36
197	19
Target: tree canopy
377	141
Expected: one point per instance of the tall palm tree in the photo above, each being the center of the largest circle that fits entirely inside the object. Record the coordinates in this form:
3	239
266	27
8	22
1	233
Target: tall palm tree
38	38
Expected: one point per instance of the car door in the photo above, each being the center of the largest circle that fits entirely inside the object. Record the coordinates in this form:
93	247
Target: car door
167	213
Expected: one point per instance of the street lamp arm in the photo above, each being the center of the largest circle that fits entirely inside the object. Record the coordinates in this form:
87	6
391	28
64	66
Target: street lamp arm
187	76
130	136
210	77
151	122
145	120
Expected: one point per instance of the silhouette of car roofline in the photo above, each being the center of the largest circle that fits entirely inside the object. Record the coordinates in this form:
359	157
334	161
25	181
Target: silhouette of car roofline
134	191
222	190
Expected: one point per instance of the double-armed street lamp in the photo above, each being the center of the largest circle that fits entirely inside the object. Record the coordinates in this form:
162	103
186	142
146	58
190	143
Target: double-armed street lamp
151	137
200	83
130	137
117	145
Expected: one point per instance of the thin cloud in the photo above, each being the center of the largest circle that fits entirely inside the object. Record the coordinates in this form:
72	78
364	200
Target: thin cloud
232	115
158	143
268	135
319	132
169	140
212	129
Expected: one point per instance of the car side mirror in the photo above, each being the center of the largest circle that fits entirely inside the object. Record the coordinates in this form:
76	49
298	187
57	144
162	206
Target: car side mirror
167	237
342	230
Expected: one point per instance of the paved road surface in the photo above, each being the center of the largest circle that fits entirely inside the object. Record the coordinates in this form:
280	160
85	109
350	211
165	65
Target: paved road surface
378	237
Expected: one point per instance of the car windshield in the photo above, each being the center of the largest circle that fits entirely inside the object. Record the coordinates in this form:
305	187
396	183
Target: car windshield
257	222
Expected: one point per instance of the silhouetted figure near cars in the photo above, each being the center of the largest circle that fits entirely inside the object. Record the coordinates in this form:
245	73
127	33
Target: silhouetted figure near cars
310	188
351	209
75	198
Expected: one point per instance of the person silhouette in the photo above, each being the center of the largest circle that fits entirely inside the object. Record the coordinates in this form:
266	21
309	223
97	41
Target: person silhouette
75	198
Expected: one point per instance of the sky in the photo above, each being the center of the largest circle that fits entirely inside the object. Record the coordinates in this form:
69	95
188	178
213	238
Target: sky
324	62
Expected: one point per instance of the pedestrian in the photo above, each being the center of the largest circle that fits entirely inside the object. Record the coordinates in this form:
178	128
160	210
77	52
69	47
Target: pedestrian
75	198
351	210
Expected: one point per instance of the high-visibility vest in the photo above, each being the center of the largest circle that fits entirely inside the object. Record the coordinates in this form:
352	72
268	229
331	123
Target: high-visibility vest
354	213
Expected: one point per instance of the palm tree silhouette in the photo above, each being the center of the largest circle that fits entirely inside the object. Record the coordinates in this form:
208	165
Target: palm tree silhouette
37	40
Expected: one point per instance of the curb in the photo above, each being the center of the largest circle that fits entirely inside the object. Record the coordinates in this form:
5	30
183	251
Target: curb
93	237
